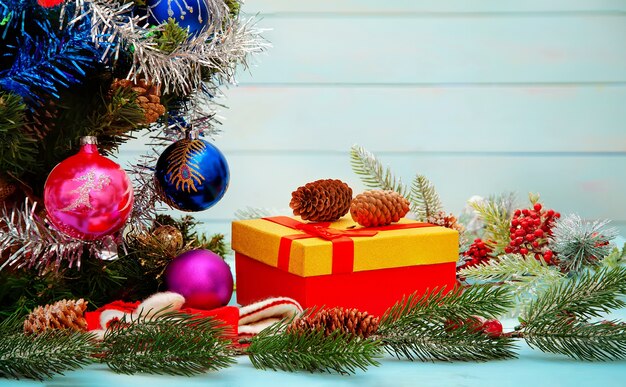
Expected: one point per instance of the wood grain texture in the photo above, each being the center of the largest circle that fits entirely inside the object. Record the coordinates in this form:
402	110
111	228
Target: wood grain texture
426	119
430	6
443	51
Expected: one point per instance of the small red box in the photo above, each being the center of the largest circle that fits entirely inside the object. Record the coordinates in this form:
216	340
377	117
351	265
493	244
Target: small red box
339	264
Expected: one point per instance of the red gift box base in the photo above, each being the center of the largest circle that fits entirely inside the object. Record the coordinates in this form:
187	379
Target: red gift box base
372	291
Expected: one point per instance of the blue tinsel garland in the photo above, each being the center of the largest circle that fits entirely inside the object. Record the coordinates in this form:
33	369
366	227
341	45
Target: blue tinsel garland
47	61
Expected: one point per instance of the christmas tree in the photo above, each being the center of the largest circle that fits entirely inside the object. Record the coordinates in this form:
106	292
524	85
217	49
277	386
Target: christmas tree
104	71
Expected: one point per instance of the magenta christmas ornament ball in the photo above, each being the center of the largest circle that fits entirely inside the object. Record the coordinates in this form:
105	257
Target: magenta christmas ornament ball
202	277
88	196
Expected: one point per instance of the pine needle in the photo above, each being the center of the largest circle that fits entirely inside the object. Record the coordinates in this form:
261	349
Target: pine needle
424	199
373	174
415	327
44	355
277	348
496	214
172	343
589	294
599	341
580	243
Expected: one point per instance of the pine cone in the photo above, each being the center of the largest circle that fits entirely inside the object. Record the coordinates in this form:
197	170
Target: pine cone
322	200
6	188
447	221
62	314
148	97
350	321
378	208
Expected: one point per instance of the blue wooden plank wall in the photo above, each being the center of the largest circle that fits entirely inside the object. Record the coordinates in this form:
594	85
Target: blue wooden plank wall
481	96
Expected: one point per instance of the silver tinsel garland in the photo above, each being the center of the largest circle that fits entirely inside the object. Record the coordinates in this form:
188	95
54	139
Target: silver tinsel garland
224	44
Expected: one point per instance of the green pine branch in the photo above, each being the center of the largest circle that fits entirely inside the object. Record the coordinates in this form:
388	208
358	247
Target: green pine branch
580	243
437	343
616	258
172	343
41	356
424	199
18	151
419	327
598	341
278	348
437	306
587	295
171	37
496	214
373	174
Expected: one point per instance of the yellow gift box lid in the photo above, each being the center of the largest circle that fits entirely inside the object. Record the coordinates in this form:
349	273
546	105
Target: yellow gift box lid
260	239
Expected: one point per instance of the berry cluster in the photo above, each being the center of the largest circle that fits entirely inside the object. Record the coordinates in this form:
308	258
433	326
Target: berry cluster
530	229
477	253
477	324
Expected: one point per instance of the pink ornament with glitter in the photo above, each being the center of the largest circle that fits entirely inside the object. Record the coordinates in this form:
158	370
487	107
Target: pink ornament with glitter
87	196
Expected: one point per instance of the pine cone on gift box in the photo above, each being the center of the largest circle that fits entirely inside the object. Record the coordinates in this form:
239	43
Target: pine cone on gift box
350	321
148	97
322	200
64	314
378	208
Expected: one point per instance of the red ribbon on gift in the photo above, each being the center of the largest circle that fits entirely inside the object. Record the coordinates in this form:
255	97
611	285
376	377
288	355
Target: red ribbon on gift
343	245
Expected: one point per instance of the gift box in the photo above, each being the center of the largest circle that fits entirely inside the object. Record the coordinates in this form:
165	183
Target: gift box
341	263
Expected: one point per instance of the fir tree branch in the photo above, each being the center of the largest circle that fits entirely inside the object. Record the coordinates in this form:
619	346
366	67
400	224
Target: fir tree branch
496	214
417	327
437	343
42	356
579	243
277	348
373	174
18	152
424	199
587	295
172	343
513	269
170	37
601	341
438	307
615	259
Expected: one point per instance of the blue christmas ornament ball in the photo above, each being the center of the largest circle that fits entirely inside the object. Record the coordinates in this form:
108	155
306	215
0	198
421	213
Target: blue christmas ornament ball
192	175
192	14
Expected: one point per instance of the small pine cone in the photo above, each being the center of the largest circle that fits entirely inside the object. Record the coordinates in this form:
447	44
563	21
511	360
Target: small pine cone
62	314
148	97
378	208
447	221
41	120
322	200
350	321
7	188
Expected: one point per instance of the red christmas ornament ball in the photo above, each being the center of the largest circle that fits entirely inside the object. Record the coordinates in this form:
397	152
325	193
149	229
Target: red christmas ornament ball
87	196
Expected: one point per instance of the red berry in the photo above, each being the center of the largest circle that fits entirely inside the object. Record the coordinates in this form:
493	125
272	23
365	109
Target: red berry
474	323
525	212
530	237
519	240
508	249
517	212
557	215
538	233
523	251
535	244
515	223
492	328
550	213
520	232
548	254
537	207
